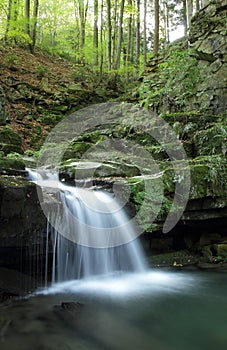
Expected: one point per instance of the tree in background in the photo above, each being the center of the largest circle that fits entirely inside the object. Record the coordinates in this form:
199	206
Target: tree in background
34	24
120	36
112	35
138	37
156	27
9	18
27	17
109	35
96	31
145	35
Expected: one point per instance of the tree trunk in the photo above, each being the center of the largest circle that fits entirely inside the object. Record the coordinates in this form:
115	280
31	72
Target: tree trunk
83	8
27	16
138	36
167	24
109	34
189	8
120	35
114	22
145	35
9	16
129	38
101	43
34	28
96	32
156	29
133	36
197	5
166	20
185	22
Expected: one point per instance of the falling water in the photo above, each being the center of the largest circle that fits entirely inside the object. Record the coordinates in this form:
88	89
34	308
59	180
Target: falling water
73	232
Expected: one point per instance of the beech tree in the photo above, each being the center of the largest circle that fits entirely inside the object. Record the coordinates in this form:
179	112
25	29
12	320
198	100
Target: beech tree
109	34
189	11
156	28
9	16
34	24
106	34
145	35
129	33
120	36
12	16
138	36
27	16
82	9
96	32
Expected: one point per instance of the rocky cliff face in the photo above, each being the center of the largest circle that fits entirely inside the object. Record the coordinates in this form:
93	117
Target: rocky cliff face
208	38
22	224
198	64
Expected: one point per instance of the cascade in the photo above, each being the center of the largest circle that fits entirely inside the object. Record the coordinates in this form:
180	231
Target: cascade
77	227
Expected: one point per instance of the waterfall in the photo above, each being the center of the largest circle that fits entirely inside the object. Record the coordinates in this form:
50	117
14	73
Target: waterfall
83	230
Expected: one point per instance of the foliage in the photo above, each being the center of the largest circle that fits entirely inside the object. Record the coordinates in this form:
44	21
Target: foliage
212	140
175	83
18	38
13	155
33	154
42	70
12	60
67	28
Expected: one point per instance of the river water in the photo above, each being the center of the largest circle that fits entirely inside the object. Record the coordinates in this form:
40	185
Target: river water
123	305
154	310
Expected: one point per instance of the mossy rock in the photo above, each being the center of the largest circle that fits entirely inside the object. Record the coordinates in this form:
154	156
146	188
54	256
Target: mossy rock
211	141
4	117
10	141
176	259
93	136
50	119
92	169
76	150
11	162
208	177
221	250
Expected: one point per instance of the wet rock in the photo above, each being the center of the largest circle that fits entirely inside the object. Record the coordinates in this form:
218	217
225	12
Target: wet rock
178	259
14	284
69	312
90	169
12	164
209	238
221	250
4	325
22	223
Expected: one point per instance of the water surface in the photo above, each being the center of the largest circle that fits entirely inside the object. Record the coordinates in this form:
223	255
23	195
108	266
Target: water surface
152	310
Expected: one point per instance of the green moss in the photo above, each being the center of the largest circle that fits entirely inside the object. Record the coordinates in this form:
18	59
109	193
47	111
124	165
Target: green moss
211	141
76	150
12	161
208	176
93	136
13	181
10	141
175	259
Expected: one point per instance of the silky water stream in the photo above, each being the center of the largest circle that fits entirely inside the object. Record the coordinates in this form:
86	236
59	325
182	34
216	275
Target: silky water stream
108	298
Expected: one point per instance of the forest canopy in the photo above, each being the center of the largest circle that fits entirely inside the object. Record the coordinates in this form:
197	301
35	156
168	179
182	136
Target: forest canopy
107	34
